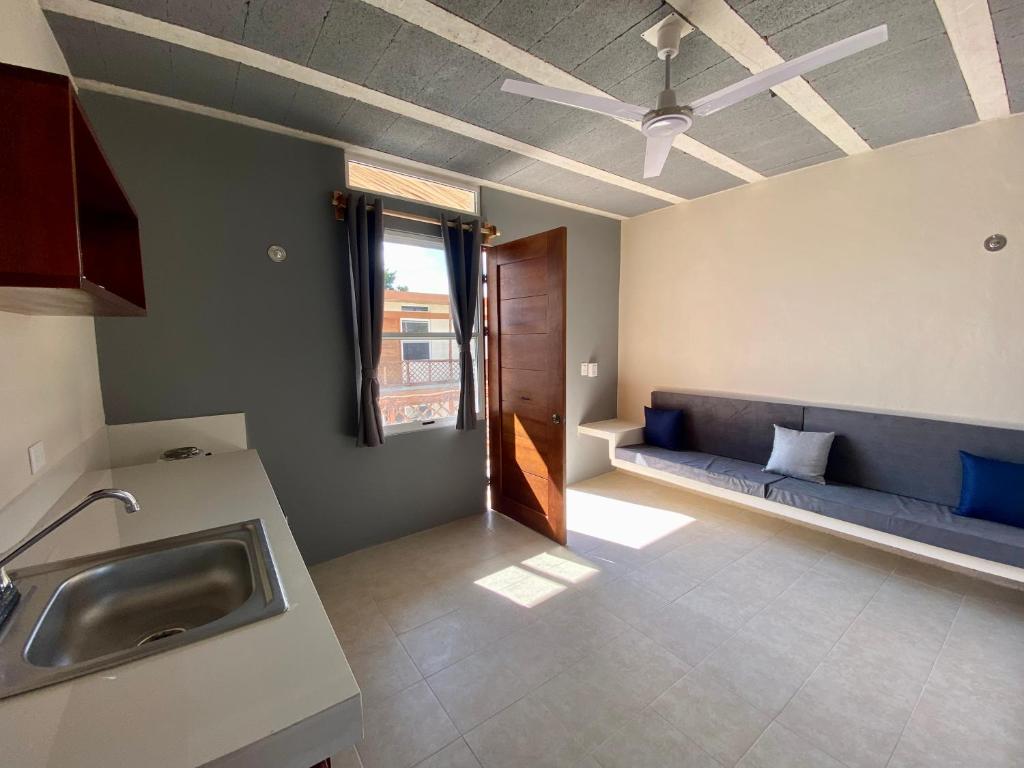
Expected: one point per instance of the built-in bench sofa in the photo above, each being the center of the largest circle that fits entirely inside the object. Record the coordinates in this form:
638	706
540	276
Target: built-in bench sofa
896	476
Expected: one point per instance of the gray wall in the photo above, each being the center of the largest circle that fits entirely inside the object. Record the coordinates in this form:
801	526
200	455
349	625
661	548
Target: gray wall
228	330
592	314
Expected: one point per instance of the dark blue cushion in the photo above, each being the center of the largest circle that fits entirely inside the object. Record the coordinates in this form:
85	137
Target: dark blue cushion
992	490
663	428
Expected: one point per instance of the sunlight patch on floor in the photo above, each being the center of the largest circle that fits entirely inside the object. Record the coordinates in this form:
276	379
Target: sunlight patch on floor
561	568
521	586
621	522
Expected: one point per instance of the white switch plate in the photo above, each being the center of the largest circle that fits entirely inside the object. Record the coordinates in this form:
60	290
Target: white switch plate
584	369
36	457
592	370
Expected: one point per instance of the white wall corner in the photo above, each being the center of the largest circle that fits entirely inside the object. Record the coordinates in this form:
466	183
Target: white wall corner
27	509
26	38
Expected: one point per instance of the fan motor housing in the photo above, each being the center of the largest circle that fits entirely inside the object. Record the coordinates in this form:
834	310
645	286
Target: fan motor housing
667	121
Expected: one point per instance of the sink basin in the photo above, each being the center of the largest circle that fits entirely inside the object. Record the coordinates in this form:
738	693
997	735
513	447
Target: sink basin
91	613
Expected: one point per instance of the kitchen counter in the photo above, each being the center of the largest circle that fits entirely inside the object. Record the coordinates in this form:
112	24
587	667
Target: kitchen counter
274	694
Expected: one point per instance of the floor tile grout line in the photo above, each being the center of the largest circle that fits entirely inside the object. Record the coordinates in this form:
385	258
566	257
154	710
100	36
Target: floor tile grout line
665	720
478	758
442	749
533	690
565	669
924	685
697	582
738	629
825	658
764	608
700	664
753	616
758	739
520	698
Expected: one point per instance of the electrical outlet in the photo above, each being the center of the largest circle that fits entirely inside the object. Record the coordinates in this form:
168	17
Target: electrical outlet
36	457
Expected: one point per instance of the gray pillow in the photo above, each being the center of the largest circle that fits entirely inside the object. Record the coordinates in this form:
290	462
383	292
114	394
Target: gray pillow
803	455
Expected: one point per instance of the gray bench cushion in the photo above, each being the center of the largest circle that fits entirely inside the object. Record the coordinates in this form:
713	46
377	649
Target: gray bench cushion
924	521
905	455
727	426
719	471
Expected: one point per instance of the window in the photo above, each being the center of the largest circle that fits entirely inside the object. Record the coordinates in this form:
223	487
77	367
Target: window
419	365
411	186
415	326
415	350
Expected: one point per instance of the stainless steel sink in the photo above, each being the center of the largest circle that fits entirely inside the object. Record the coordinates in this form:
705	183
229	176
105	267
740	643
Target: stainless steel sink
91	613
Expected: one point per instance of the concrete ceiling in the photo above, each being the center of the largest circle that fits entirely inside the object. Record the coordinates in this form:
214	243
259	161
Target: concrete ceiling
909	87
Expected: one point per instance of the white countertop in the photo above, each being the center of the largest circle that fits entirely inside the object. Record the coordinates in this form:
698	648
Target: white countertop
200	703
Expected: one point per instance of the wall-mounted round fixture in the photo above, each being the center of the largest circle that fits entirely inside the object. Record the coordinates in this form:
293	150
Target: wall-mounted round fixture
277	253
995	242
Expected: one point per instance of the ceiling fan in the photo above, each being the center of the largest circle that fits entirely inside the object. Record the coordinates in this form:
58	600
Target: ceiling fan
662	123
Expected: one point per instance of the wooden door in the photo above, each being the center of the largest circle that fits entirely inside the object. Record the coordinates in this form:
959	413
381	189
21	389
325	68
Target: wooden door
526	380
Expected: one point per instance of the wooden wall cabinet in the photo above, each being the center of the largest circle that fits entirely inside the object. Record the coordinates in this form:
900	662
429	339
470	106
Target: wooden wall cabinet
69	237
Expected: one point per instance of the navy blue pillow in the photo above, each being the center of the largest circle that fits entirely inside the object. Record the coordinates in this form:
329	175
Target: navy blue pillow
664	428
992	490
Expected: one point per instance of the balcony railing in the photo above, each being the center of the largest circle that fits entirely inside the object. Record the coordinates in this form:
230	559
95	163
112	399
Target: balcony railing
403	373
403	408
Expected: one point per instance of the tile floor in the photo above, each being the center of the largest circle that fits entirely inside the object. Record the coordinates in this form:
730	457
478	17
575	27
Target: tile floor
672	631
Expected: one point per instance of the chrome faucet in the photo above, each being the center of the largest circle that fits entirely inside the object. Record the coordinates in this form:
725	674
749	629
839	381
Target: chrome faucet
8	591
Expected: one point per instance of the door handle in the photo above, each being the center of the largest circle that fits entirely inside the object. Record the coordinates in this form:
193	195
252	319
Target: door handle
556	419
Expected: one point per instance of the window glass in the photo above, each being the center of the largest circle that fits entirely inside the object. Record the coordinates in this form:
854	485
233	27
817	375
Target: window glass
419	367
416	350
410	186
415	326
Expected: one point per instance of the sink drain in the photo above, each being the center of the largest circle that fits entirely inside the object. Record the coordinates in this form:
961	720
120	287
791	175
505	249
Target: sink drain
160	634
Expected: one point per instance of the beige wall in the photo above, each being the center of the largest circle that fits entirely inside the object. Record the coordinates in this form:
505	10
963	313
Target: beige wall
25	37
49	381
862	282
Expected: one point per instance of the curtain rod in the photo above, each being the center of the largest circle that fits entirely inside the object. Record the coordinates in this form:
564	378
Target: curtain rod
340	203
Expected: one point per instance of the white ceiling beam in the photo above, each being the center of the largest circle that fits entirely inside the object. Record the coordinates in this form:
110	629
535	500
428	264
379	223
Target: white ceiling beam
717	20
364	152
969	25
225	49
457	30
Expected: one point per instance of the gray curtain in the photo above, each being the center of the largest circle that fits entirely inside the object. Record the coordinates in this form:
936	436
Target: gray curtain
462	247
366	264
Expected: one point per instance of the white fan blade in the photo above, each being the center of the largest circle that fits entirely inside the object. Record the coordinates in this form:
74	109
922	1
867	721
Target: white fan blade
787	70
603	104
657	153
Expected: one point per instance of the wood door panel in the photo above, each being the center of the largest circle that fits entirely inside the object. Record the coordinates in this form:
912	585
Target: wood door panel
522	386
523	487
524	452
526	380
526	315
524	278
526	350
527	425
527	442
528	409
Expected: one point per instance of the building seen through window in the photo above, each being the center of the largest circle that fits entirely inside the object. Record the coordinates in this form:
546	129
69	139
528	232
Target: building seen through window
419	367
